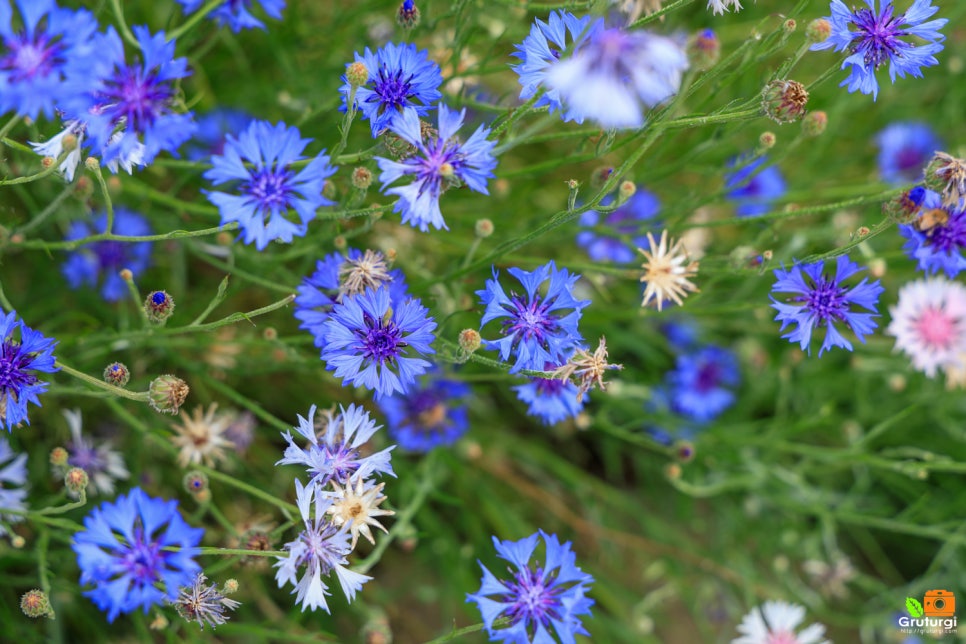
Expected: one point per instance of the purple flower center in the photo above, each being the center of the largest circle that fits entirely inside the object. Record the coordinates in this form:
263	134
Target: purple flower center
137	97
826	300
392	91
443	160
877	35
532	600
143	560
270	188
549	386
13	369
111	255
319	550
531	320
341	462
910	158
708	377
426	411
86	457
28	59
382	339
951	237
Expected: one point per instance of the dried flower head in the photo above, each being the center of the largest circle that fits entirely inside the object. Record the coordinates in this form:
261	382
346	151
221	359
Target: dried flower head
947	174
667	270
203	603
167	393
359	505
360	273
588	367
200	437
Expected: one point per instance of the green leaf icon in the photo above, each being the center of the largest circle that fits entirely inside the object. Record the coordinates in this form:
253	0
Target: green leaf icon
914	607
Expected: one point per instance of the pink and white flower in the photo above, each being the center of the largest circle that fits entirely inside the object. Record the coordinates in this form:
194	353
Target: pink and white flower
929	324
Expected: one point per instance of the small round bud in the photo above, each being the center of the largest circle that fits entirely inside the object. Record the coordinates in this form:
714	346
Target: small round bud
704	49
230	587
159	306
905	208
357	74
34	603
572	184
195	482
626	190
329	190
114	184
224	239
784	100
600	176
862	231
684	451
877	267
767	255
340	242
17	541
270	334
470	340
362	178
818	30
116	374
58	457
897	382
167	393
789	26
672	471
767	140
83	188
76	480
408	15
814	123
159	623
69	142
483	228
92	164
48	162
126	274
391	255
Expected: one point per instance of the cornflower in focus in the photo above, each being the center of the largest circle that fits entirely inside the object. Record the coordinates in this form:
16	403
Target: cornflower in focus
539	326
542	48
904	150
616	74
589	368
102	463
122	553
440	162
537	599
333	454
20	361
667	271
627	220
754	188
104	260
367	342
877	40
431	415
321	548
937	237
203	603
13	482
777	622
550	400
201	437
260	159
929	324
820	301
236	14
401	80
357	506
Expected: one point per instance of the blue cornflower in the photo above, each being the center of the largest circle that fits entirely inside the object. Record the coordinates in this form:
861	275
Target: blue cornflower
550	399
904	150
821	301
13	481
129	109
321	290
19	362
322	548
439	163
675	427
682	333
122	553
752	187
537	598
102	463
877	40
537	329
259	159
542	48
36	58
701	383
237	13
938	246
626	220
402	80
366	341
432	415
209	138
87	265
616	74
332	453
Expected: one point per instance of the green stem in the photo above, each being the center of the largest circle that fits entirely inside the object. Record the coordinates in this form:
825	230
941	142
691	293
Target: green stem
194	19
108	202
249	489
67	507
674	6
76	243
122	25
466	630
42	542
232	552
9	125
46	172
51	208
140	396
215	301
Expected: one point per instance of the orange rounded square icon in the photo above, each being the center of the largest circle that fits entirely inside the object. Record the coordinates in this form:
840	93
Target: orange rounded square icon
939	603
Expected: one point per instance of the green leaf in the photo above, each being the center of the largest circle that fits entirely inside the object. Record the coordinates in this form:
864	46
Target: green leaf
914	607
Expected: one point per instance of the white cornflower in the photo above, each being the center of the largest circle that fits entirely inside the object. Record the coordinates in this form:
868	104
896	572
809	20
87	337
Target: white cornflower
358	505
775	623
720	6
929	323
201	437
666	271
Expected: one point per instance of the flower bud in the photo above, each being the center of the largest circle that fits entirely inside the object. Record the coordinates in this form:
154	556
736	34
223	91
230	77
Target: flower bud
159	623
34	603
818	30
814	123
17	541
789	26
58	457
704	49
76	481
159	306
195	482
48	162
600	176
684	451
362	178
83	188
905	208
626	190
357	74
69	142
784	100
92	164
117	374
167	393
230	587
408	15
469	340
672	471
483	228
126	274
767	140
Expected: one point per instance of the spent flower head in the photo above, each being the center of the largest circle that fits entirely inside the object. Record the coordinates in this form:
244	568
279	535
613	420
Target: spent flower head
668	270
357	506
588	368
203	603
200	438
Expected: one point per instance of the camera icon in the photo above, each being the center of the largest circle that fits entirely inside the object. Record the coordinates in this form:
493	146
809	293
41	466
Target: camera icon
939	603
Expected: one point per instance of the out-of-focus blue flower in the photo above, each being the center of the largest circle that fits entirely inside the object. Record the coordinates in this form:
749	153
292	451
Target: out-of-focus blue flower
616	74
820	300
37	56
259	160
130	110
550	399
701	383
236	14
431	415
321	548
542	48
102	463
682	333
439	163
877	40
402	80
938	246
627	219
332	453
121	552
20	360
674	427
904	150
537	327
90	263
370	343
754	189
210	136
13	481
537	598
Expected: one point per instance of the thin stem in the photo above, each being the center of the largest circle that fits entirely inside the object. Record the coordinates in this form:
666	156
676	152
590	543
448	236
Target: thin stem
249	489
51	208
90	239
122	25
215	301
232	552
466	630
67	507
108	202
140	396
194	19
